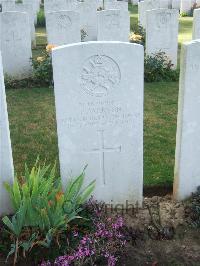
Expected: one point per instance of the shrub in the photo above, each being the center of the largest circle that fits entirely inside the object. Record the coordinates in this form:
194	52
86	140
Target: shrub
41	18
158	67
43	210
42	67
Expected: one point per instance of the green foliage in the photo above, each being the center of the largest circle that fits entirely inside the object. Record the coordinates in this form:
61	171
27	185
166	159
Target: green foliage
16	224
41	18
158	67
41	206
42	69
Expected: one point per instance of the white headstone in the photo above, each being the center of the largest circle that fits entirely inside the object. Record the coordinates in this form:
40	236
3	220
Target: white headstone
113	25
176	4
88	18
99	105
59	5
99	4
27	8
134	2
16	44
63	27
34	7
121	5
187	167
143	7
162	33
7	5
186	6
196	24
6	161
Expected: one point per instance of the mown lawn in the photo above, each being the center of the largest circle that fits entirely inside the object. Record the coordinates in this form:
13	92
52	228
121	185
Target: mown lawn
33	126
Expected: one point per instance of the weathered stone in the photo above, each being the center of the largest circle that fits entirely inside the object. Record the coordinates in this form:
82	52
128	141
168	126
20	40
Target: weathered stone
99	105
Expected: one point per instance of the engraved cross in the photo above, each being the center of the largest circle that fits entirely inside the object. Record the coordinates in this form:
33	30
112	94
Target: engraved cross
101	151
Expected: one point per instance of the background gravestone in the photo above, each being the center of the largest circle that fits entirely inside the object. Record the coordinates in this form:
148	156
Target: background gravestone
113	25
88	18
176	4
187	170
99	107
7	5
63	27
196	24
27	8
16	44
162	33
121	5
186	6
54	5
35	7
6	161
145	6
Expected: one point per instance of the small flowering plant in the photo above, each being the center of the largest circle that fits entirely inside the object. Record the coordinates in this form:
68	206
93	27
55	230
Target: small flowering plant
42	67
100	246
135	38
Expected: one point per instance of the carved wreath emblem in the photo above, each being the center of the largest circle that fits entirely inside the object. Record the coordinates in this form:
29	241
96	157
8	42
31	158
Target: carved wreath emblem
100	74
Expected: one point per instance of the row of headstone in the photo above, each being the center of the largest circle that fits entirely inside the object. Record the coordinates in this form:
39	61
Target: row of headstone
88	14
64	27
185	6
60	5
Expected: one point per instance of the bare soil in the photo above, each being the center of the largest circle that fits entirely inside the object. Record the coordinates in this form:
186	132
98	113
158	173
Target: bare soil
182	249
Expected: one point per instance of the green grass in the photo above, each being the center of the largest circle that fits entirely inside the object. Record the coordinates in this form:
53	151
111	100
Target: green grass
33	125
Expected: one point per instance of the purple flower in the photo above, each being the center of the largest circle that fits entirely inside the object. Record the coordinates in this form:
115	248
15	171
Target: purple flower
75	233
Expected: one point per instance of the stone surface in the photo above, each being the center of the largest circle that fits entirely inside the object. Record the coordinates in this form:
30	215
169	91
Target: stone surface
176	4
88	18
143	7
113	25
99	105
7	5
63	27
16	44
6	161
59	5
186	6
27	8
196	24
162	33
113	4
187	170
34	6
